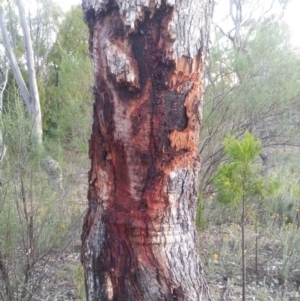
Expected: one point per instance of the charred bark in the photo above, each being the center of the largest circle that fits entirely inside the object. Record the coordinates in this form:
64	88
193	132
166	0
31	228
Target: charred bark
139	240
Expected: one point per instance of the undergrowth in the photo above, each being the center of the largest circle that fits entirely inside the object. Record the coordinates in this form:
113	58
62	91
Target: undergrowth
271	238
38	221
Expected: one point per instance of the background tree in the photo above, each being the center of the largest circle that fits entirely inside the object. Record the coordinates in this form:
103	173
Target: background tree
33	102
139	236
249	86
3	83
44	22
68	94
31	95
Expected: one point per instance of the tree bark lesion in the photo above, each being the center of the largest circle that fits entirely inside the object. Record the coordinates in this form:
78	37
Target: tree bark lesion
139	237
122	65
188	138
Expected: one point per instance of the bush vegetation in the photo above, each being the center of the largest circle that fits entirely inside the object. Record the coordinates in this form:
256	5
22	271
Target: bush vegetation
39	222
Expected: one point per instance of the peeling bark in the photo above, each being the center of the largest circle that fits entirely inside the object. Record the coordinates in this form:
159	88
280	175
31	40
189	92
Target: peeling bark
139	240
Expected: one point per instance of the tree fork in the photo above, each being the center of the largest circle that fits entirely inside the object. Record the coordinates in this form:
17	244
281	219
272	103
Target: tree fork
139	240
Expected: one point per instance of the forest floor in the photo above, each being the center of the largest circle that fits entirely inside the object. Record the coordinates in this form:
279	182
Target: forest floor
272	252
220	255
277	277
60	275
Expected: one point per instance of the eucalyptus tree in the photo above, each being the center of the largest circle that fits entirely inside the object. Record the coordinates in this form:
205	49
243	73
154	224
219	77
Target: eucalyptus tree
139	240
44	20
31	95
3	84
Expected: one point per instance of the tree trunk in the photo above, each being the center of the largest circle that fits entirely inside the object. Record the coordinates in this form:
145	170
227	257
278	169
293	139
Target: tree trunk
36	113
139	240
3	148
31	98
13	63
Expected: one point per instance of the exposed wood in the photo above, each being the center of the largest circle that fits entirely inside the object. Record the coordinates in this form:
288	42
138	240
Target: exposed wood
139	236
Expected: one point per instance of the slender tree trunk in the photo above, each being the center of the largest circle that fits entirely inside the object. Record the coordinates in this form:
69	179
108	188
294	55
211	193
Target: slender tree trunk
139	240
13	63
243	223
31	97
6	279
36	113
3	147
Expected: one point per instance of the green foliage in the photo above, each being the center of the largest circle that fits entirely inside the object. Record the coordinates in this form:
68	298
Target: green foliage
36	220
253	88
240	178
200	222
73	34
239	181
242	152
79	279
69	103
44	25
72	38
278	218
67	110
72	85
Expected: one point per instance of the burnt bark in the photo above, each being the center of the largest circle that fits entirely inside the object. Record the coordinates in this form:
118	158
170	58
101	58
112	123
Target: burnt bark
139	240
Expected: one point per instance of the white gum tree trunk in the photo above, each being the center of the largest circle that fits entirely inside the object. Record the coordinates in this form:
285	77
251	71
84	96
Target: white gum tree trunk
31	98
4	79
139	240
13	62
35	107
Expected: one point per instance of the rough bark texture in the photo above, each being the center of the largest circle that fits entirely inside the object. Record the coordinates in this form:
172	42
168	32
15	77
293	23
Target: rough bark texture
139	240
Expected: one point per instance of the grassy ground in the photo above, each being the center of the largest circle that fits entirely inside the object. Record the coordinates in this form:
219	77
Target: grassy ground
272	241
40	227
45	224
